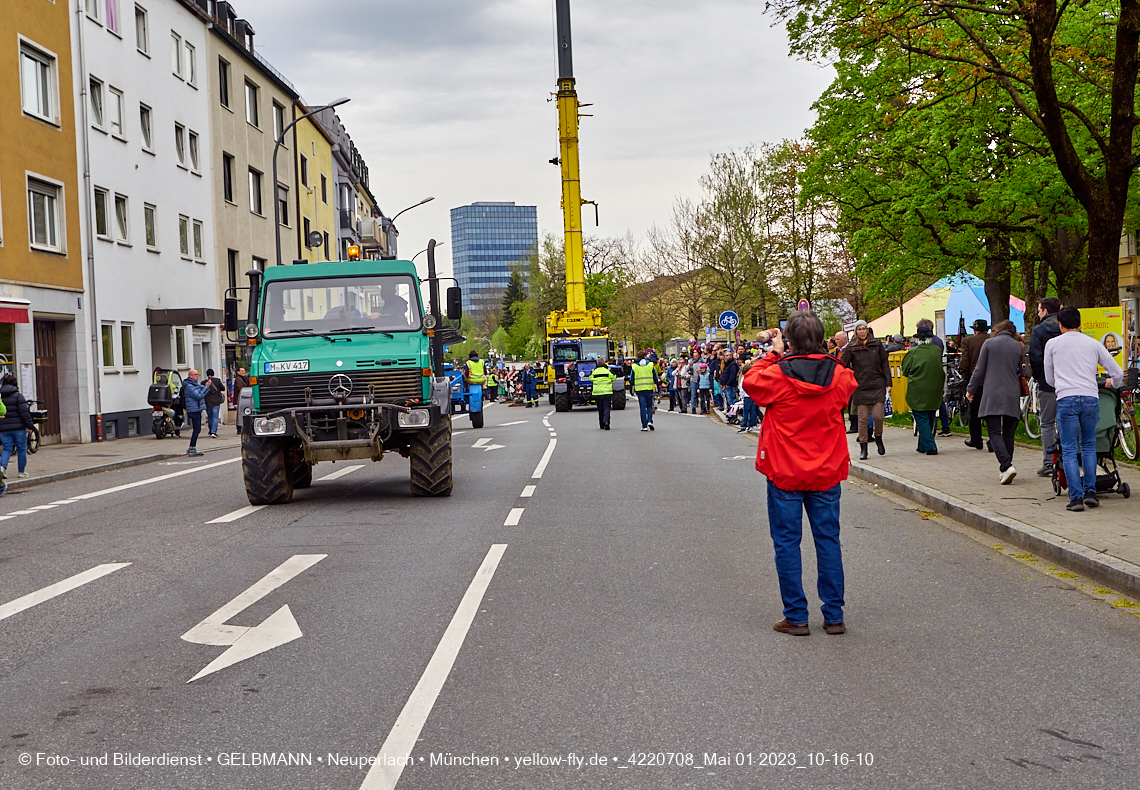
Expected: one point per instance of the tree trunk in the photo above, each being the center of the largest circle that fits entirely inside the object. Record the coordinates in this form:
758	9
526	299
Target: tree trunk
997	280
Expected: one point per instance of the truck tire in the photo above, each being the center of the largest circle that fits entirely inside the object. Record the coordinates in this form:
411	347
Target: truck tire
617	403
562	401
431	459
477	419
301	475
264	470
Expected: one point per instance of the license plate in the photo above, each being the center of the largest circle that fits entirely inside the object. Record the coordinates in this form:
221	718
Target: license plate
287	367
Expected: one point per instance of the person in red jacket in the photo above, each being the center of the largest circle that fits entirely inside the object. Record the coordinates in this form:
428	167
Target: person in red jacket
803	453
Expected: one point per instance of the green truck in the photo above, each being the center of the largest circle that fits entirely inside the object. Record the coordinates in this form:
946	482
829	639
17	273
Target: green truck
346	364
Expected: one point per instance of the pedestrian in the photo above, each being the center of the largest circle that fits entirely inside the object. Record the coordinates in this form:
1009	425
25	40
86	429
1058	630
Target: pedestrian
694	381
996	383
602	381
922	367
530	387
14	425
971	352
215	397
1047	328
1071	361
750	415
895	344
729	374
803	453
704	387
868	360
492	385
671	381
241	381
194	396
683	378
645	385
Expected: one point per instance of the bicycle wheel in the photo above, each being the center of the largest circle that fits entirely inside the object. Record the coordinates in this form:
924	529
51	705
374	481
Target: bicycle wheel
34	440
1031	416
1127	436
963	413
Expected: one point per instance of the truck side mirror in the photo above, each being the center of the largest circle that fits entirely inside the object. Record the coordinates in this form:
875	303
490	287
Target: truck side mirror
454	303
231	313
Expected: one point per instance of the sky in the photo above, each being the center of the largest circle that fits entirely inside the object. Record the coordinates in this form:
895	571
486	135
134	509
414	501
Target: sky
451	98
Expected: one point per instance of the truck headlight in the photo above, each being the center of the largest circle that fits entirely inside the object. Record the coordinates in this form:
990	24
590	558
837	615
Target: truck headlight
417	418
269	426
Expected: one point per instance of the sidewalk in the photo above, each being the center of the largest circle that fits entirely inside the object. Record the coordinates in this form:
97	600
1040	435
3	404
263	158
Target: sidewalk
63	461
962	483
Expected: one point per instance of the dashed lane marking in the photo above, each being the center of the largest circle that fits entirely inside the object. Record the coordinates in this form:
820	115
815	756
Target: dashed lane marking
385	771
241	512
43	507
538	470
21	512
516	422
59	588
158	479
514	517
528	491
340	473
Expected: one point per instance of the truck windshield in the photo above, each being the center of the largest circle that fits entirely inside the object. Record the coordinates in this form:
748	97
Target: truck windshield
565	353
381	303
593	348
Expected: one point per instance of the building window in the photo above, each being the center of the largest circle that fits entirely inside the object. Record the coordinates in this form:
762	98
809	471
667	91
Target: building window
231	267
304	171
259	263
102	228
92	8
278	122
251	115
180	143
115	111
127	345
194	151
149	227
223	82
37	80
43	215
122	220
176	54
108	345
142	30
307	229
324	189
113	16
197	239
96	91
254	191
283	204
184	236
180	347
326	235
145	127
191	64
228	177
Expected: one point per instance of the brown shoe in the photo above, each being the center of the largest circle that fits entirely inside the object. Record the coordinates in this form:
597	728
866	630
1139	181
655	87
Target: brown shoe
835	628
784	627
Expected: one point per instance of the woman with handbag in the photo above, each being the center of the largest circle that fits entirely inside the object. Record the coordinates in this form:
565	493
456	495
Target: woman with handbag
866	357
1000	376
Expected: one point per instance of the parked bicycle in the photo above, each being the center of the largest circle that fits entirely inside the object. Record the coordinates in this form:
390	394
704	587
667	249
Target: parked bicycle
39	417
1031	410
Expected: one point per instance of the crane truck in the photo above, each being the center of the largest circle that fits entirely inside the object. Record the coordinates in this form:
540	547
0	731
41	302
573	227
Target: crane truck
575	337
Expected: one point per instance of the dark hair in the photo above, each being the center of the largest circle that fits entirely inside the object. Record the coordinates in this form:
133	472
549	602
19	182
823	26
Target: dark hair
209	371
1005	326
1069	317
926	323
8	379
804	332
1051	304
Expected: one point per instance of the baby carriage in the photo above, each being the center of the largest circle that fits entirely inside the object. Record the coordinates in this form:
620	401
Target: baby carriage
1107	440
734	412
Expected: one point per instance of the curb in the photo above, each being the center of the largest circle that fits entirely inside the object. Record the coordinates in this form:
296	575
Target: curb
1110	571
126	463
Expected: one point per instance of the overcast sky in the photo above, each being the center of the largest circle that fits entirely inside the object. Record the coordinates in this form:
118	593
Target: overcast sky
450	98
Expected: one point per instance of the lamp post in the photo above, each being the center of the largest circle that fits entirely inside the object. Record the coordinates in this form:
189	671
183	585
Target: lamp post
277	147
392	221
438	244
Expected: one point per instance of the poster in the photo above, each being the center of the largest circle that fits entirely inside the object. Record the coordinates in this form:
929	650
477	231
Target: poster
1106	325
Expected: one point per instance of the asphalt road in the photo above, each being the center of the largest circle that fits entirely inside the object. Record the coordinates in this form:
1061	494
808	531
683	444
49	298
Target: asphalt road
621	614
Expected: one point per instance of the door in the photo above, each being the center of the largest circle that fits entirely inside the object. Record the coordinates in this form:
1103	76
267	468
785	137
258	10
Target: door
47	379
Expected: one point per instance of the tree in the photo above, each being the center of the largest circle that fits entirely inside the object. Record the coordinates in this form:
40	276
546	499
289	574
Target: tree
516	292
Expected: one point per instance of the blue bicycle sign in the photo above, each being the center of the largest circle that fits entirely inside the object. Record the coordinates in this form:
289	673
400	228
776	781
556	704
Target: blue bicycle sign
728	320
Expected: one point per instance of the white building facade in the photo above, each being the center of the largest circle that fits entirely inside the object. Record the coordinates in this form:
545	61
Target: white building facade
144	139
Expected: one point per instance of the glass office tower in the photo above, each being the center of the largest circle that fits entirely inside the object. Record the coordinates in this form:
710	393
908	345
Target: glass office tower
486	240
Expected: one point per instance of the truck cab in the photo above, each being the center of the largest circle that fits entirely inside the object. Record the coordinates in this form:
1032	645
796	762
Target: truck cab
572	360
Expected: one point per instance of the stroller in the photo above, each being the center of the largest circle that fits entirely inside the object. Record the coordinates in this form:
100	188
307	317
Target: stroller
1107	440
735	411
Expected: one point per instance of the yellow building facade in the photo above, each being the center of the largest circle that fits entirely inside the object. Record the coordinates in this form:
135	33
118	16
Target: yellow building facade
315	205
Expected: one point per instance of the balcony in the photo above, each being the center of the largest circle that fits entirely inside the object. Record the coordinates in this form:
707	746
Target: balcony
347	221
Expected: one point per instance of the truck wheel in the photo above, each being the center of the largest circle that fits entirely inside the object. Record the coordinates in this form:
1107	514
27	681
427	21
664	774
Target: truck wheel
562	401
263	467
477	419
301	475
618	401
431	459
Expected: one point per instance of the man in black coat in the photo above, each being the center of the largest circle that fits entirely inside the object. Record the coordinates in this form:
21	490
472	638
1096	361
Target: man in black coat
15	424
1047	328
971	351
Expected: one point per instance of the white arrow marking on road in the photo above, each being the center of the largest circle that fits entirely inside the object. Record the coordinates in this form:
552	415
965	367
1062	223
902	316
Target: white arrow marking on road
482	444
341	472
59	588
516	422
239	513
244	642
514	517
538	470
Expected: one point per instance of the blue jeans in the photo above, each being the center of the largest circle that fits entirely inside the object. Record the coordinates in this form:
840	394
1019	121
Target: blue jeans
19	441
693	394
785	520
748	417
729	396
645	401
213	412
1077	416
195	418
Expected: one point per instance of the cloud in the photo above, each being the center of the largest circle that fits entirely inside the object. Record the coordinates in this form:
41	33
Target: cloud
450	98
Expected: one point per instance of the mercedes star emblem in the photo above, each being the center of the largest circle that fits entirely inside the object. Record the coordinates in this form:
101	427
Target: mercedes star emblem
340	386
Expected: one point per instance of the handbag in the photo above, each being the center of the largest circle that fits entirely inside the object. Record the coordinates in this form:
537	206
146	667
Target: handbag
888	409
1024	382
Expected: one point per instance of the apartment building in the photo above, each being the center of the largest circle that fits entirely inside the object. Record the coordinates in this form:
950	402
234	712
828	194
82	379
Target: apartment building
314	189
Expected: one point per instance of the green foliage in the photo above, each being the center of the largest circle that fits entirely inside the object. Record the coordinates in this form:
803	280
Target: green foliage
515	293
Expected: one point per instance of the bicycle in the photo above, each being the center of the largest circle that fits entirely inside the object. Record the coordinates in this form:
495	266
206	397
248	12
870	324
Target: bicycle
1031	410
38	416
1127	425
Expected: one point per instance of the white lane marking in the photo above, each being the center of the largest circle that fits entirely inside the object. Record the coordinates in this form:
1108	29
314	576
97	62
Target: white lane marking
553	433
528	491
538	470
59	588
456	433
21	512
514	517
341	472
516	422
158	479
241	512
63	502
43	507
385	772
5	518
482	444
551	412
245	642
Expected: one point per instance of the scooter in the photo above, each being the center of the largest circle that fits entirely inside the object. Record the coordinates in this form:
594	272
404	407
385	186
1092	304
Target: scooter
165	419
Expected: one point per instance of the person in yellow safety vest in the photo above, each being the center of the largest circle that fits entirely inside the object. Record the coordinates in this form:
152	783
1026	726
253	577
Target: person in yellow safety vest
645	381
492	385
602	386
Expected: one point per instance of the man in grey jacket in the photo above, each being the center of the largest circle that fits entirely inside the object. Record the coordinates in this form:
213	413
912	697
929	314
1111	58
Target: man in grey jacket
1071	361
1047	328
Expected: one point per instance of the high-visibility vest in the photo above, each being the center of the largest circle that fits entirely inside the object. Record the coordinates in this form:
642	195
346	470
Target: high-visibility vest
602	379
642	376
475	371
491	380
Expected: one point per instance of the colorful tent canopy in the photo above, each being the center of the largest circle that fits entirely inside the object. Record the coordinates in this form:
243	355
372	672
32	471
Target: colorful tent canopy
960	296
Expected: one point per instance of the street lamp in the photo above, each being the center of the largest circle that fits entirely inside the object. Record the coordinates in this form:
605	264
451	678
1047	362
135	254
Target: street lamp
421	252
409	208
276	189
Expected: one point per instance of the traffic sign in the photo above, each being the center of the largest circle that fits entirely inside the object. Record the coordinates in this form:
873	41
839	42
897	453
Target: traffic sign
804	304
728	320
